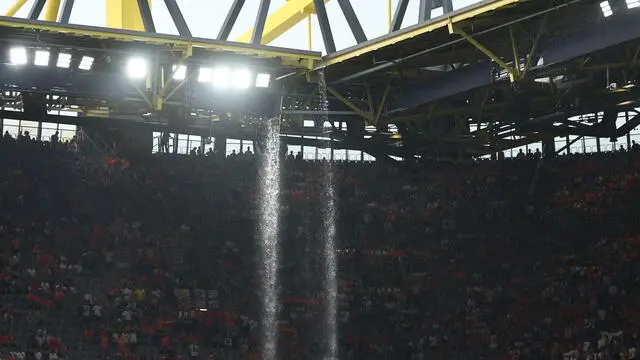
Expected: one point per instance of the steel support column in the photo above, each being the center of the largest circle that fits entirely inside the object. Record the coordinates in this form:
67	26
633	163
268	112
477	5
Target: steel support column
15	7
261	20
67	7
36	9
398	16
325	27
352	20
51	10
230	20
124	14
178	18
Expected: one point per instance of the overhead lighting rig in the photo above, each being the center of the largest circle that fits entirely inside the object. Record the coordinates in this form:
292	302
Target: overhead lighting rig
221	76
21	56
609	7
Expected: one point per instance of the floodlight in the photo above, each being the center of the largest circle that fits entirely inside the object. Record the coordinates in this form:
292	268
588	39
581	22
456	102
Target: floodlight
18	56
137	68
606	8
204	75
42	58
241	79
263	80
633	4
179	72
64	60
86	63
220	77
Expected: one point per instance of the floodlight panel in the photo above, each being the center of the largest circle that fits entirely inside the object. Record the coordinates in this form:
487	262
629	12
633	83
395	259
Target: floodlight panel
64	60
41	58
241	79
86	63
263	80
18	56
179	72
205	75
606	8
137	68
220	77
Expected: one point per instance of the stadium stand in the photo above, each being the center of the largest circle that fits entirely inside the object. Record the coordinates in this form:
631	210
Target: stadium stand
154	258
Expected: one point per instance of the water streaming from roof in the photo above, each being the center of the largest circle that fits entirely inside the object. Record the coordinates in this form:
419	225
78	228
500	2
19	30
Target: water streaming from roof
269	237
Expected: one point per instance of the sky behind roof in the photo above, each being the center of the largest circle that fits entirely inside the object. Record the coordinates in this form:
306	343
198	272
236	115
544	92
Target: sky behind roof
205	17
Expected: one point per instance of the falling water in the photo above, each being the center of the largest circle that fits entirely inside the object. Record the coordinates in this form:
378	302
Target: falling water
329	234
268	232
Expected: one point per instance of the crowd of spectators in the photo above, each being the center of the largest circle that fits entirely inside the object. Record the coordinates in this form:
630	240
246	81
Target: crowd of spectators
157	257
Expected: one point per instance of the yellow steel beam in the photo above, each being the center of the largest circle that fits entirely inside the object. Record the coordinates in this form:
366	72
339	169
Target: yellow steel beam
389	13
310	33
489	53
124	14
15	8
382	103
351	105
51	10
283	19
514	48
291	58
411	32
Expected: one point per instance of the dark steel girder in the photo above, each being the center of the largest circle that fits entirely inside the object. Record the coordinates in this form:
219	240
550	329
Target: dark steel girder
261	19
618	29
230	20
424	12
67	7
178	18
398	16
36	9
352	20
147	18
325	27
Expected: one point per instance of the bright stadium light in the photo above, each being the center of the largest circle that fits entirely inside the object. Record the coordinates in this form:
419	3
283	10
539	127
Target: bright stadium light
220	77
606	8
18	56
179	72
137	68
633	4
204	75
86	63
42	58
64	60
241	79
263	80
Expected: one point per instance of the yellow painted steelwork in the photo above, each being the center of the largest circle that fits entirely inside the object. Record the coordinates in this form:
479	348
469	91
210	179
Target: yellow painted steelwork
309	33
484	50
442	22
299	60
124	14
283	19
15	8
389	13
368	117
51	10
